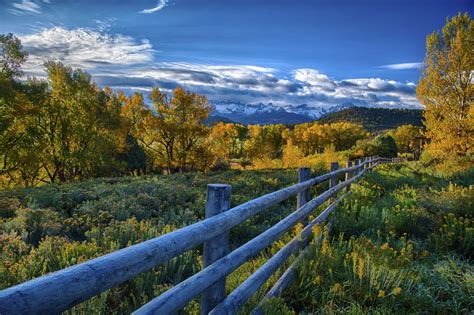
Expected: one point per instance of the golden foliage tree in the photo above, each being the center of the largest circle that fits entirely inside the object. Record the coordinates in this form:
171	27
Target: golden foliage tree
292	155
177	125
446	90
265	141
314	138
407	138
78	123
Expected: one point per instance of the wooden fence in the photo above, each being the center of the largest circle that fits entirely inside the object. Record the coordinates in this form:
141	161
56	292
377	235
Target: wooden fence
61	290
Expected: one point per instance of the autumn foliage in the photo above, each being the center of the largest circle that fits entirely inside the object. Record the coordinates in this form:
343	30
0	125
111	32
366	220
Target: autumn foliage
446	89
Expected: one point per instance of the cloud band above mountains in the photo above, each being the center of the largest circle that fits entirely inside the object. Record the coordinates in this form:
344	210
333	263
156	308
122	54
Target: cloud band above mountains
122	62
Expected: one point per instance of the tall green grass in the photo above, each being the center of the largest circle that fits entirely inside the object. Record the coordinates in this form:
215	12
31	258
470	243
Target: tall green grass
401	243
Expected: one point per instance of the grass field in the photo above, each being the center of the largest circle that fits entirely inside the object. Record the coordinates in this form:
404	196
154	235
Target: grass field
403	241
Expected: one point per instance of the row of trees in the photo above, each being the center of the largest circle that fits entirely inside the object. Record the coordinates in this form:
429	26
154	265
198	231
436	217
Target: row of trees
66	127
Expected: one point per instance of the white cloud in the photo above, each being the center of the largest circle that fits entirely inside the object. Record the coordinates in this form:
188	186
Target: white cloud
27	7
258	84
123	62
160	5
83	48
311	76
402	66
314	81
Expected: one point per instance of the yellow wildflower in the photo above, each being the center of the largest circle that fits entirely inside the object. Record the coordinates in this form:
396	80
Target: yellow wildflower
385	246
325	246
298	229
397	291
317	231
360	268
317	280
337	288
381	294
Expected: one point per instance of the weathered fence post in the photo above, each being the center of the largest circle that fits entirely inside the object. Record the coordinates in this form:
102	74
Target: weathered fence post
349	174
333	180
303	197
218	200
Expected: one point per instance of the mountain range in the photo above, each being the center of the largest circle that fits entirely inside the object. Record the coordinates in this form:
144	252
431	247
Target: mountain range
264	114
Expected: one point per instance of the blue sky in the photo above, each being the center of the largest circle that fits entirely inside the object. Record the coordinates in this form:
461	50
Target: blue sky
322	53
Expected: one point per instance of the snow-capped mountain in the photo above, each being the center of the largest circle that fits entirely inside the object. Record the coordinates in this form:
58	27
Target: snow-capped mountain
261	113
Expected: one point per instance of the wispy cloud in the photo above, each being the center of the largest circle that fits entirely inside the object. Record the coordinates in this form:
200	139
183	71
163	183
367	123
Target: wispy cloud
160	5
402	66
27	7
84	48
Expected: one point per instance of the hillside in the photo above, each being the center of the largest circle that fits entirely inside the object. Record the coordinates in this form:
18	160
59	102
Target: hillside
375	119
212	120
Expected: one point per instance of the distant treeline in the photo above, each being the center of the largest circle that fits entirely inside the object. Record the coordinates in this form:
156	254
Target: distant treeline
376	119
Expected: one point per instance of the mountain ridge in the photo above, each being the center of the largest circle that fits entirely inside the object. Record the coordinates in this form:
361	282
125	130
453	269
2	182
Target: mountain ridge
376	119
264	114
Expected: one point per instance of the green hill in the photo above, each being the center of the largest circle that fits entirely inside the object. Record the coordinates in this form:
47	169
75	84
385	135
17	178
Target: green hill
375	119
214	119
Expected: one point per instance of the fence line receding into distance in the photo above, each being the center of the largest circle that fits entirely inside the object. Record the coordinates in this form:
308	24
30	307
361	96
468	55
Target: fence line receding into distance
61	290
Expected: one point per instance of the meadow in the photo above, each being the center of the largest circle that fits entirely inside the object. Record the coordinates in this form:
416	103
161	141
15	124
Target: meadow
87	169
402	242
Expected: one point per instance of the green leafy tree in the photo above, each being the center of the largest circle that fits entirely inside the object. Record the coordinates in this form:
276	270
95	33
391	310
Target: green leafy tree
78	122
16	163
407	138
382	145
12	57
385	146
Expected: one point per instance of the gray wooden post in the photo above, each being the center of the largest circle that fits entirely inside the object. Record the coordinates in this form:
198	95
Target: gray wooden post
349	175
218	201
303	197
333	181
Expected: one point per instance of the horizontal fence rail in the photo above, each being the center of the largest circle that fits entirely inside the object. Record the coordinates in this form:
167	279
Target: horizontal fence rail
242	293
61	290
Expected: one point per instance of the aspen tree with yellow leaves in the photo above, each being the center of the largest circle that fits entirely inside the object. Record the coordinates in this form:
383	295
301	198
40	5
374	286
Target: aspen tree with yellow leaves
447	92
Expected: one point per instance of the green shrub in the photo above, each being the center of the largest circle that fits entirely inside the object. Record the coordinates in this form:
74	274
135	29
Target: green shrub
8	206
455	233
